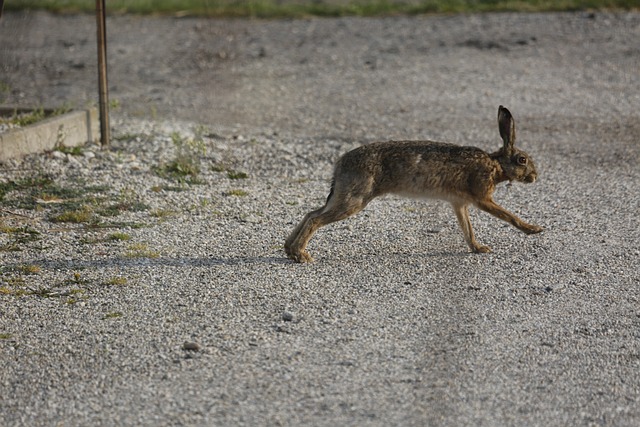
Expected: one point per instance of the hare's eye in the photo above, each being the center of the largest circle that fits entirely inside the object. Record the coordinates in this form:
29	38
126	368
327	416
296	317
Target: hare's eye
522	160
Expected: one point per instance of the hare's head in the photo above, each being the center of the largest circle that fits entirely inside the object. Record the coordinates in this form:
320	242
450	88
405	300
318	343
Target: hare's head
516	164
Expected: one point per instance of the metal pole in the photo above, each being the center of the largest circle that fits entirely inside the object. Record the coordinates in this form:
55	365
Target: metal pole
105	136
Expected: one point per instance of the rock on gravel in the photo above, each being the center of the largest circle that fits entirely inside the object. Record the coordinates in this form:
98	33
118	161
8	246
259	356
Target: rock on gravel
115	267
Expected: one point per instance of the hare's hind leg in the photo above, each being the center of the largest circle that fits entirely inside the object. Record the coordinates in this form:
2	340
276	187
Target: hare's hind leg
339	206
462	213
293	246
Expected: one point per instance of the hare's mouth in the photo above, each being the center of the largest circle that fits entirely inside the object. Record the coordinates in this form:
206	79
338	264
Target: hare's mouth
530	178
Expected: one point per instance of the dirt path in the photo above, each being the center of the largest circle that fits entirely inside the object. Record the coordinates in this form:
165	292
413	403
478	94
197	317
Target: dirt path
395	324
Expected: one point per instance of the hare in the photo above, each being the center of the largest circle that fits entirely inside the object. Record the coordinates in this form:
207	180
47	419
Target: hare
422	169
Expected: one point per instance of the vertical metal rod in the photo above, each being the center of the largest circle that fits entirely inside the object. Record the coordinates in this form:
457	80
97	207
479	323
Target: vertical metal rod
105	136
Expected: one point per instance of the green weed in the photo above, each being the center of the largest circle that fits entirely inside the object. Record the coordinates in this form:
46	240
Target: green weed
77	216
116	281
25	119
119	237
185	167
163	213
236	175
20	236
140	250
29	269
237	193
113	315
74	151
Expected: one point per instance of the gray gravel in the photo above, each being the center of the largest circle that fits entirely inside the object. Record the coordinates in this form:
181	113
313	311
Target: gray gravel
199	319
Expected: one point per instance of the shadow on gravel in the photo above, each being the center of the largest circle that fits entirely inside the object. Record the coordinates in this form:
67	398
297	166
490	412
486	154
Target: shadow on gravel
213	261
153	262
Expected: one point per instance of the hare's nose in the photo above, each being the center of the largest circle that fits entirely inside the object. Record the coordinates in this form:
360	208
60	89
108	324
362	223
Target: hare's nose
530	178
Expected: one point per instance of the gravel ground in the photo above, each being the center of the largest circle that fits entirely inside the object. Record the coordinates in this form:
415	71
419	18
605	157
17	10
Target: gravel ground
173	304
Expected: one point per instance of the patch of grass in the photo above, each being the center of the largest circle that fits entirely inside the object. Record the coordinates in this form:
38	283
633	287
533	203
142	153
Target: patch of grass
182	169
77	216
17	286
41	189
74	203
29	269
137	137
119	237
296	9
185	167
116	281
5	336
27	118
123	206
24	119
113	237
236	175
237	193
163	213
74	151
218	168
76	299
118	224
4	228
140	250
20	236
128	201
174	188
16	281
77	279
113	315
30	185
5	89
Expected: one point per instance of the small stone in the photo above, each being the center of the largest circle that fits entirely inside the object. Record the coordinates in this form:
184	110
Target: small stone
58	155
73	161
251	219
89	154
190	346
287	317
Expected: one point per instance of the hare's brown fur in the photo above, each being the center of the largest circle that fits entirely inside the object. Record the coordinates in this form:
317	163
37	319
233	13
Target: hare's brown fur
460	175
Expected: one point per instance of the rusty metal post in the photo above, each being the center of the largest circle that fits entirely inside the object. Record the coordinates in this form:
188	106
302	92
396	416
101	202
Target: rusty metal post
105	136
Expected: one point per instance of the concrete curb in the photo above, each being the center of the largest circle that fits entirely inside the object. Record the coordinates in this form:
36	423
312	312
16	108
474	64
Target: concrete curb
70	129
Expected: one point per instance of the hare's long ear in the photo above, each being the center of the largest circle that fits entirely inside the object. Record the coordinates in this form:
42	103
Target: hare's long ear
507	129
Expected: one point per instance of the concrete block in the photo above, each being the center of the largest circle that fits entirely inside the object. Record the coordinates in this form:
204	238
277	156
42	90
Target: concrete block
70	129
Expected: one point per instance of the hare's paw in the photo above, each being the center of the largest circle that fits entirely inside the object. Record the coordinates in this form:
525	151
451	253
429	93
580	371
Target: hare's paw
300	256
480	249
533	229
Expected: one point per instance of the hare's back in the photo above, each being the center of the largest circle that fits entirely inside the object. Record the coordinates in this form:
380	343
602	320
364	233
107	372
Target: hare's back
418	168
403	154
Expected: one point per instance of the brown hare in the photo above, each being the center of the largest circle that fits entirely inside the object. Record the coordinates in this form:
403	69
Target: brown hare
423	169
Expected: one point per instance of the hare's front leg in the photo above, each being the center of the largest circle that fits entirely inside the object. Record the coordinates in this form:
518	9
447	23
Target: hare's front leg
462	213
499	212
